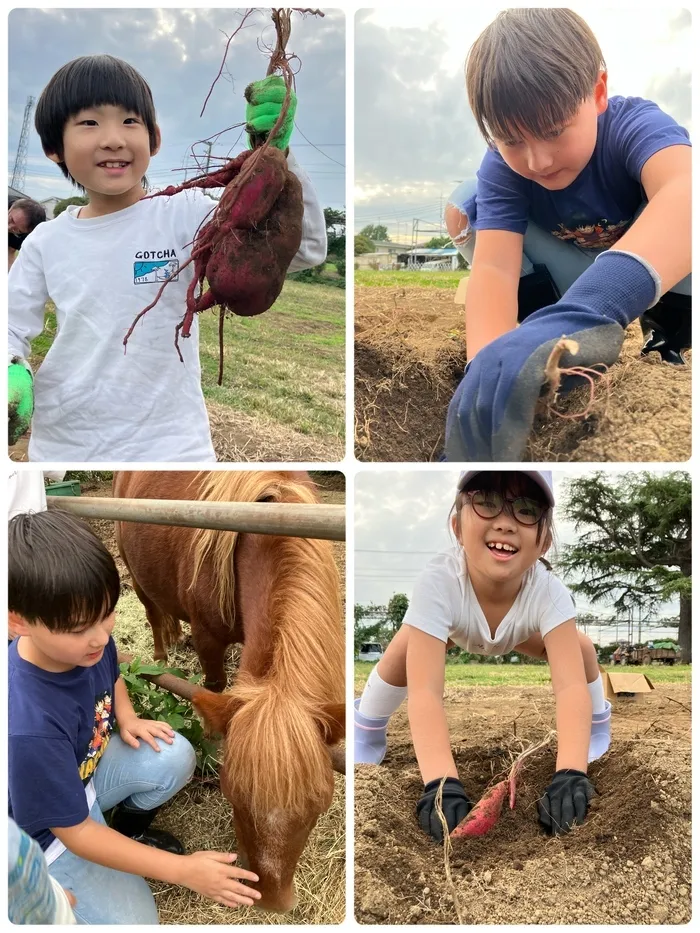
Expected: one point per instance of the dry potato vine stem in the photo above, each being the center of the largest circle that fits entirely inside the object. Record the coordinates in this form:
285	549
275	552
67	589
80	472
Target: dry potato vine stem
447	851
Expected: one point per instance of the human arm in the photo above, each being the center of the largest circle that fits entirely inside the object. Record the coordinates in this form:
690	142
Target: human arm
131	727
264	104
33	896
207	873
491	414
491	306
661	234
425	674
314	243
565	800
27	295
574	708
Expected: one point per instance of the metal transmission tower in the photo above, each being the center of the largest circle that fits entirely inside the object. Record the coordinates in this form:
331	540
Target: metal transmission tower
20	167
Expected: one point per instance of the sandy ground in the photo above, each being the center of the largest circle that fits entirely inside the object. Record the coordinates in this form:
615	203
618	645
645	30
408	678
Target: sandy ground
410	357
200	816
629	863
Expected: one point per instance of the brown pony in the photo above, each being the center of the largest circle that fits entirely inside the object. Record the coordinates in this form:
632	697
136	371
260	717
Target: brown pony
279	597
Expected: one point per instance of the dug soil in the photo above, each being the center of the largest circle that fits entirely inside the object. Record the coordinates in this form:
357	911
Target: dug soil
199	815
629	863
409	359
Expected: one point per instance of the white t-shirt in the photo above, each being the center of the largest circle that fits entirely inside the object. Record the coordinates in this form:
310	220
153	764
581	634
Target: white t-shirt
25	492
93	401
444	604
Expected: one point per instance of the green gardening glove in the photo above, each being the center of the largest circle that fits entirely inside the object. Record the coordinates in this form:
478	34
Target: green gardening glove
265	99
20	400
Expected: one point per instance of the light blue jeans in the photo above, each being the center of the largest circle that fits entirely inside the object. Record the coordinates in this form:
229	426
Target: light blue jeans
564	261
146	779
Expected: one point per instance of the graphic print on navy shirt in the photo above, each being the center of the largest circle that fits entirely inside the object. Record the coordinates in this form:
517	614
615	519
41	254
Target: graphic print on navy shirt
100	736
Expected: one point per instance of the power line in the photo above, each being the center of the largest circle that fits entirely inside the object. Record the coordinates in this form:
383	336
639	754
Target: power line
361	550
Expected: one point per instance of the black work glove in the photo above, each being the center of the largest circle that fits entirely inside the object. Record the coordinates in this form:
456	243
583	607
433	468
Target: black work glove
565	801
455	806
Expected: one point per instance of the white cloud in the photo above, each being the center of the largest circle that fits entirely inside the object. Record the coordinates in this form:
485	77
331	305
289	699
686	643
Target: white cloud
415	135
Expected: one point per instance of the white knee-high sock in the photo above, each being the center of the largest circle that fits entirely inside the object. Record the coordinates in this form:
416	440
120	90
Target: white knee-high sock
597	692
380	698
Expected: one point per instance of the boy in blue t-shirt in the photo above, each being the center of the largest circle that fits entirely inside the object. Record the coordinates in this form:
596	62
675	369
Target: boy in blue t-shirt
76	748
570	177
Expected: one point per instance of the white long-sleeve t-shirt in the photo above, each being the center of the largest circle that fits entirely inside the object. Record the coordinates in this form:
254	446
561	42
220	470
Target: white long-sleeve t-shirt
92	400
443	604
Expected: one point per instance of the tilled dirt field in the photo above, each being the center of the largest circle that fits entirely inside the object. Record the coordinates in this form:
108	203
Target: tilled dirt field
199	815
410	357
629	863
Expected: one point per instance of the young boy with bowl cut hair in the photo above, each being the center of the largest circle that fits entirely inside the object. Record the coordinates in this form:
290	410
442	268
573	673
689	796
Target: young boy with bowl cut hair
578	223
103	263
77	749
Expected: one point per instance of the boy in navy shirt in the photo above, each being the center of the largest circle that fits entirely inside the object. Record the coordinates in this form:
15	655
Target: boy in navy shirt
570	177
67	762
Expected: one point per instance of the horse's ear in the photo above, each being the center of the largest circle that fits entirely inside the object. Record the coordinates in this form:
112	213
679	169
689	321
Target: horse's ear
332	722
216	709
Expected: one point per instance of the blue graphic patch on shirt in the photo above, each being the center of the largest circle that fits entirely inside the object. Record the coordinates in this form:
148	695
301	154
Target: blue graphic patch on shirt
157	270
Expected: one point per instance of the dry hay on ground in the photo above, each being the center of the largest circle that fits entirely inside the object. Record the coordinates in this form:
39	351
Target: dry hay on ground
628	863
200	816
241	438
410	356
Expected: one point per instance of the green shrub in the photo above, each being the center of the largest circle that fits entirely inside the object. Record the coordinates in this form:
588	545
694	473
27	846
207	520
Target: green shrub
151	702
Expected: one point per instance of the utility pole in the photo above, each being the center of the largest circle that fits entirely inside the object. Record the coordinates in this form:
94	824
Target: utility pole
208	144
20	167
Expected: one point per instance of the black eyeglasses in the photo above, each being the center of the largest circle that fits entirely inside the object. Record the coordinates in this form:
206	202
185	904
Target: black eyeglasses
490	504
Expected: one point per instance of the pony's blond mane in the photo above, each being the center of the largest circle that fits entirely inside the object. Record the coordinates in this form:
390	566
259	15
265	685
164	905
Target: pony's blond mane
277	755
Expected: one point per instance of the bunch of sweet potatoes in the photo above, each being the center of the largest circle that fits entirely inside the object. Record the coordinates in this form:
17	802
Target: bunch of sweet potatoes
245	250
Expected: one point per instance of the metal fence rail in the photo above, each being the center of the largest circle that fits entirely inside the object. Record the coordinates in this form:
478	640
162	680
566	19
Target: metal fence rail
297	520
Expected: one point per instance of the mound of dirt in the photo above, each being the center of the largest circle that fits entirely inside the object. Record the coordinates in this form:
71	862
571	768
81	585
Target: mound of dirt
628	863
410	357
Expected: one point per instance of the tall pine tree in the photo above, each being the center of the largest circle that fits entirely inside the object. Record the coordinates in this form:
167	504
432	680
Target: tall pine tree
635	542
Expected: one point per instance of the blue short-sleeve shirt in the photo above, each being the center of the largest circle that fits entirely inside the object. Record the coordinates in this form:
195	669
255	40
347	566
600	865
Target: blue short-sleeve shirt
59	727
596	209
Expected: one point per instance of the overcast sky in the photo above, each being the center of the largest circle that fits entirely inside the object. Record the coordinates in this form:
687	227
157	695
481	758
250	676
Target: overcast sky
401	521
179	53
415	135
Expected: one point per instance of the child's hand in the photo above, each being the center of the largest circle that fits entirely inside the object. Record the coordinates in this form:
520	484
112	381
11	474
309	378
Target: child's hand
20	400
265	99
131	730
455	806
491	414
213	875
565	802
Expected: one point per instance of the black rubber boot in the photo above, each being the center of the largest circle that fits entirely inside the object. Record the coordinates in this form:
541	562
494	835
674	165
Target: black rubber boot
536	290
667	327
134	823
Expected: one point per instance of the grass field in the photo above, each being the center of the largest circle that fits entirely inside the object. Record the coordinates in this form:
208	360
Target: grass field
528	675
287	365
284	374
410	279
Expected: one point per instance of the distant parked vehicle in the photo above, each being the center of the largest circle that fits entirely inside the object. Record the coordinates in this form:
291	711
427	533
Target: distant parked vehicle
667	653
370	651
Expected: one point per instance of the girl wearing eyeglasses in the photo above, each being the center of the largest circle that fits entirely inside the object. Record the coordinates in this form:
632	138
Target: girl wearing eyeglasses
491	593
